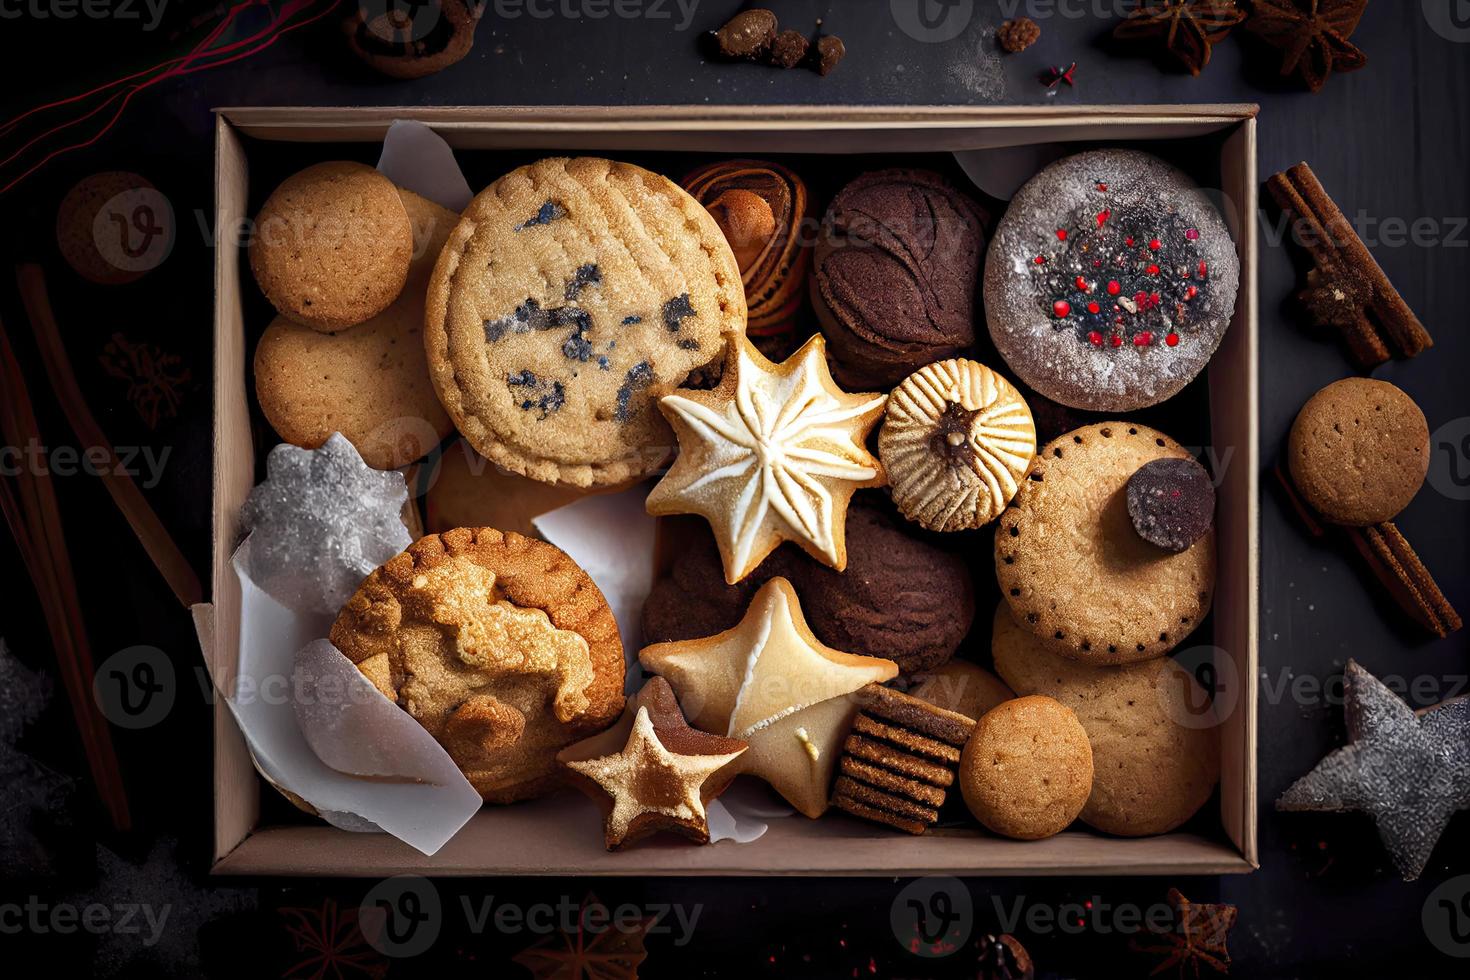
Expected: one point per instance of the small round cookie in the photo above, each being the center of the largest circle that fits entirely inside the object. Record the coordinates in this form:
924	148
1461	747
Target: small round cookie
1152	770
572	296
413	40
113	227
955	442
1026	773
1171	502
1074	570
1359	451
894	275
500	646
370	383
1111	281
960	686
332	245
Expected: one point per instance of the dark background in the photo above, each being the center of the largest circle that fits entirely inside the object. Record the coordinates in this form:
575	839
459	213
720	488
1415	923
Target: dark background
1391	143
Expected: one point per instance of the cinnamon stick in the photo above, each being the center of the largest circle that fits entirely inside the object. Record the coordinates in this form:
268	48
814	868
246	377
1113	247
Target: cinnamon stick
1385	326
149	530
34	518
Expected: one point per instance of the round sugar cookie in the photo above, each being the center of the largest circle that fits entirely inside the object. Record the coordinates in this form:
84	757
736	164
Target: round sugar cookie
1027	770
574	294
1072	566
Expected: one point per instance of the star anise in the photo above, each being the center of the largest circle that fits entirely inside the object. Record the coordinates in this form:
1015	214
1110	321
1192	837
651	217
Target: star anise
590	951
1004	958
1189	28
1197	939
1312	35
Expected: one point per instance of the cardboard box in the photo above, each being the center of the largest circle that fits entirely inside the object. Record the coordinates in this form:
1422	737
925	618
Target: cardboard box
557	836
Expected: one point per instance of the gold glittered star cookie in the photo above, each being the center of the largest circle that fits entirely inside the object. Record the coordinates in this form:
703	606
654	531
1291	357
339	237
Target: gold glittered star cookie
771	683
773	454
651	771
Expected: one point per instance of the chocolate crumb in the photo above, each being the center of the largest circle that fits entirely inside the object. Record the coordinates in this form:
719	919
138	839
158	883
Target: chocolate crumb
675	310
547	396
747	35
829	54
586	275
789	49
639	376
628	321
688	343
549	212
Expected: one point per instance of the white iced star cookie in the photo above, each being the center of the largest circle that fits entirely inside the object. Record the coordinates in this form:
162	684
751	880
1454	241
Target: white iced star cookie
773	454
771	683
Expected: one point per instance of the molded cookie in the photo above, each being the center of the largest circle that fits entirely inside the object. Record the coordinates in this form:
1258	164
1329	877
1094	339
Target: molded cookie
332	245
500	646
573	294
1074	570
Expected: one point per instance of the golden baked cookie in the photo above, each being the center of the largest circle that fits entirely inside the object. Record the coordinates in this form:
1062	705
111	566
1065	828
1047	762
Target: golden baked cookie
370	383
773	454
956	441
1074	569
499	645
770	682
1359	451
960	686
332	245
467	490
1027	771
1151	771
572	295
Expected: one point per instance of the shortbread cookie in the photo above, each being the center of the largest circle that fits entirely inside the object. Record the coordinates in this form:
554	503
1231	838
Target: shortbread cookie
1074	570
1027	771
499	645
371	382
771	683
1110	282
956	440
573	294
961	687
1152	770
332	245
1359	451
773	454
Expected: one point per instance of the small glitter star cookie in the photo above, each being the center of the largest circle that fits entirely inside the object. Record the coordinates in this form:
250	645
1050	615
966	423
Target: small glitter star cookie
651	771
771	683
773	454
956	441
1110	282
1408	770
572	295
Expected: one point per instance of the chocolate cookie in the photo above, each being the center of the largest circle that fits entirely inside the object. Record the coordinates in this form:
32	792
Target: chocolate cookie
894	275
1111	281
900	598
1359	451
573	294
412	40
332	245
500	646
1074	570
1171	502
1027	771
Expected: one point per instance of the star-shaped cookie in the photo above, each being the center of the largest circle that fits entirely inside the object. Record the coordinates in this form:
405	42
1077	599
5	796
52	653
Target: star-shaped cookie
773	454
770	682
651	771
1408	770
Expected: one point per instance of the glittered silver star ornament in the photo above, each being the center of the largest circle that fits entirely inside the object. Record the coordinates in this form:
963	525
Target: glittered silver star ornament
1408	770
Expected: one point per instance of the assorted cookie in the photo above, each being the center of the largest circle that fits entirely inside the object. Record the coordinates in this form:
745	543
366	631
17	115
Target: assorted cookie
1110	282
1027	770
899	760
574	294
499	645
1073	568
773	454
1171	502
770	682
894	275
956	441
901	598
960	686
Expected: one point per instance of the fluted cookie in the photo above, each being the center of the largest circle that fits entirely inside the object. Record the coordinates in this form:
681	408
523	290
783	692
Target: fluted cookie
1027	771
573	294
956	441
371	382
1074	570
499	645
332	245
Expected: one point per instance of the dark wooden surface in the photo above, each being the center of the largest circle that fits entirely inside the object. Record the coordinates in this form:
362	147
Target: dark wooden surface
1391	143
